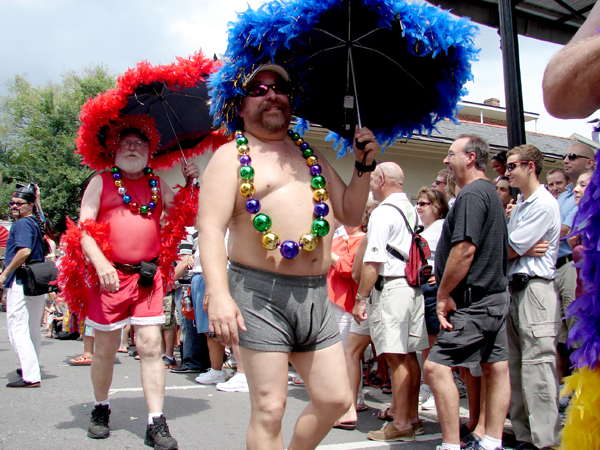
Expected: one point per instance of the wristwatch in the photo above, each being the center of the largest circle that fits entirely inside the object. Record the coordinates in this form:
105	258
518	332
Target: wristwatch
361	297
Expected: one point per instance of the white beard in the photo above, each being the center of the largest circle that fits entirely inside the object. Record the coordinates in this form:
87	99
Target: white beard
129	165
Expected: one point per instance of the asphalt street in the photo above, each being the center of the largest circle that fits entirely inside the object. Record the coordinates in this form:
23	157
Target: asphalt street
56	415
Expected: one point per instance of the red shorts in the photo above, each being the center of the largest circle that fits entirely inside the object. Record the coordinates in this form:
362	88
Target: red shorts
131	304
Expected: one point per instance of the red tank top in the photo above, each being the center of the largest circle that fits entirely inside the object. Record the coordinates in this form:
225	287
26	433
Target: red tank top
134	237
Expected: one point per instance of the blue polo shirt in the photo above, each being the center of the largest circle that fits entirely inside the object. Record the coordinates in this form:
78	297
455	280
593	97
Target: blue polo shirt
23	234
568	209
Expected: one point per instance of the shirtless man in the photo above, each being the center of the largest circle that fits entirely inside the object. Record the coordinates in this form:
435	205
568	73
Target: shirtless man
279	304
121	299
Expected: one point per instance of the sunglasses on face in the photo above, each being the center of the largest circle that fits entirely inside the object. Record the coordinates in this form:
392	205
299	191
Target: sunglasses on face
421	204
574	156
438	182
260	90
512	166
18	204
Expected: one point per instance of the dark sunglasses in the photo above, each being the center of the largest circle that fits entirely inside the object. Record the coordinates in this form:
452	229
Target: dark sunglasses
259	90
438	182
574	156
512	166
18	204
421	204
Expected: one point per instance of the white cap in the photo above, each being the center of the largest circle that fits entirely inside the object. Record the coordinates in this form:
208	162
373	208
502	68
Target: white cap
275	68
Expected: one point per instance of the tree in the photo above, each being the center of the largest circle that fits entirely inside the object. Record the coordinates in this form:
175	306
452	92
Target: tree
38	128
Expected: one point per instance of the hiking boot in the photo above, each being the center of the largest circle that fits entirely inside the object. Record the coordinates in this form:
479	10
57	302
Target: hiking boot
98	428
212	376
158	436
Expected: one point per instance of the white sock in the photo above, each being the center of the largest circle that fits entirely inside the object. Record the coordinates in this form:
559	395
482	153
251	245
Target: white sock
152	416
103	402
450	446
490	443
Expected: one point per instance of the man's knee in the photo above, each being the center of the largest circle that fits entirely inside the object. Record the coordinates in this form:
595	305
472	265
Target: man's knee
497	370
269	411
434	371
148	342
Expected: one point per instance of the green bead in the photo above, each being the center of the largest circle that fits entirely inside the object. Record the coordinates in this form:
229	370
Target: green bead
318	182
247	173
242	141
147	170
262	222
114	170
144	209
320	227
308	152
295	137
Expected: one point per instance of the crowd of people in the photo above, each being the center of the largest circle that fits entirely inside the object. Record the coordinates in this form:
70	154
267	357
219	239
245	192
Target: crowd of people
492	309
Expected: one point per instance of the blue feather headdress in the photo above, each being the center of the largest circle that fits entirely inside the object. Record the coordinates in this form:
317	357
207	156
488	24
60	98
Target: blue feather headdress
267	34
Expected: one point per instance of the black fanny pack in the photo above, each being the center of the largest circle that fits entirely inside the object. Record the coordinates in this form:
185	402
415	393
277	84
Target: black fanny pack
146	269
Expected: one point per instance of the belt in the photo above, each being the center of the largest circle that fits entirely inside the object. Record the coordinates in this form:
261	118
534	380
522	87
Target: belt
520	281
132	268
563	260
381	280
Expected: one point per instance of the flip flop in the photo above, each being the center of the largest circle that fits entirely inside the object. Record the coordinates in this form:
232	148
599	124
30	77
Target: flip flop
80	361
349	426
385	415
123	350
361	407
298	381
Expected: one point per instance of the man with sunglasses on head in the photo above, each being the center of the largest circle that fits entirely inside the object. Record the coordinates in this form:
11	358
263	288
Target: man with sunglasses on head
275	292
534	317
23	313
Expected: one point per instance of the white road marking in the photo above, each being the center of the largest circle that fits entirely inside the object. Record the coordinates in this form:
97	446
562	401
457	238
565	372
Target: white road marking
375	444
168	388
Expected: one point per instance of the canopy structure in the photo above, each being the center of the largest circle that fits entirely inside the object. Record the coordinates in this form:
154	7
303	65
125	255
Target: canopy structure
548	20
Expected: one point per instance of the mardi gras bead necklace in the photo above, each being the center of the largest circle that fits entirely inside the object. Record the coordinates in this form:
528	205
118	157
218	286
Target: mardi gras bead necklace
262	222
134	206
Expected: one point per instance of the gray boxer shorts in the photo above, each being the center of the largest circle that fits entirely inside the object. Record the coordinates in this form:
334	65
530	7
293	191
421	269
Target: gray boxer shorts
283	313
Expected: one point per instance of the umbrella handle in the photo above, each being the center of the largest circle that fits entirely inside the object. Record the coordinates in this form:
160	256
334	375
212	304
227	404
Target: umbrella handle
361	145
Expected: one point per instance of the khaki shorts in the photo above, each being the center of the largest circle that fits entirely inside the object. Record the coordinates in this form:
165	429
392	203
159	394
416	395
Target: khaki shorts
397	318
169	311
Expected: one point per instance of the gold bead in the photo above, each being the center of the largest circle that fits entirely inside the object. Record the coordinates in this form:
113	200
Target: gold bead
154	198
118	183
321	194
243	149
299	142
247	189
309	242
269	241
312	160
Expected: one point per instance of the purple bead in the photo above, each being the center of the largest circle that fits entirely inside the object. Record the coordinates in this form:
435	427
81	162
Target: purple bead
238	136
151	205
315	170
253	206
289	249
304	146
245	160
321	209
117	176
290	133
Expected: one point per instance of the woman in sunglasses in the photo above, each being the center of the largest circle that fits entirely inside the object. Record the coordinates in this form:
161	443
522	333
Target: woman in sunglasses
432	208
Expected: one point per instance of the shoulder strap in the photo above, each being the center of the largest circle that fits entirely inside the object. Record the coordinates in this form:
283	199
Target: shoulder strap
388	247
403	216
45	250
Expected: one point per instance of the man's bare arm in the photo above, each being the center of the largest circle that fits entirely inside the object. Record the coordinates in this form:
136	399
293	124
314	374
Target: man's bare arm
368	278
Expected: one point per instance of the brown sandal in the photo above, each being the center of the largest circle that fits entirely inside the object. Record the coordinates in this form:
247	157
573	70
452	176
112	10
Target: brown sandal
385	415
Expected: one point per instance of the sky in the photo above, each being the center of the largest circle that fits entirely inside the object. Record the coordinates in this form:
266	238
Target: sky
41	39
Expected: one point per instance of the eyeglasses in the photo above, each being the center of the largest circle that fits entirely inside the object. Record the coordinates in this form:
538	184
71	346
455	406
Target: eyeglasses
438	182
260	90
138	145
18	204
421	204
512	166
574	156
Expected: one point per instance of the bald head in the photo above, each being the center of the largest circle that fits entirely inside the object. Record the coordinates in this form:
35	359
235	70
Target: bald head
386	179
579	157
393	173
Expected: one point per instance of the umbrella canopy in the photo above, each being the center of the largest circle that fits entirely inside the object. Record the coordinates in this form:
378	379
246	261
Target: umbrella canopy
167	102
394	67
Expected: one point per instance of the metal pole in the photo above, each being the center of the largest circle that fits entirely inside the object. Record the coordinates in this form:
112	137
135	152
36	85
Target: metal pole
515	121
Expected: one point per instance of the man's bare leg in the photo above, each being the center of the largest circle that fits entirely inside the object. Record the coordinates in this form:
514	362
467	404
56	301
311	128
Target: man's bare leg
216	350
326	380
148	342
415	384
474	396
497	384
401	370
106	345
445	392
169	337
355	348
267	377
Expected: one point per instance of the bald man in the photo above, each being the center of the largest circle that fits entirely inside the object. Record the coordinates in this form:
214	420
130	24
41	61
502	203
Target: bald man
396	317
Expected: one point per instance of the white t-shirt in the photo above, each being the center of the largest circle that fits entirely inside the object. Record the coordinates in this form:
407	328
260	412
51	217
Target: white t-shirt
432	235
386	226
536	218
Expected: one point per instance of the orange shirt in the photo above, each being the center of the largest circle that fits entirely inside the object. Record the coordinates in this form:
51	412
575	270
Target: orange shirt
134	237
340	285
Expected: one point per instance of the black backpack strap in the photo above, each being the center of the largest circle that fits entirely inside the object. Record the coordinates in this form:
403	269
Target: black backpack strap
388	247
45	249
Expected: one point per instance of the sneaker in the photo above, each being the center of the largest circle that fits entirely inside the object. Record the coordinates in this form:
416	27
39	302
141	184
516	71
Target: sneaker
236	383
474	445
212	376
98	428
429	404
184	369
169	362
424	393
389	433
158	436
23	384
